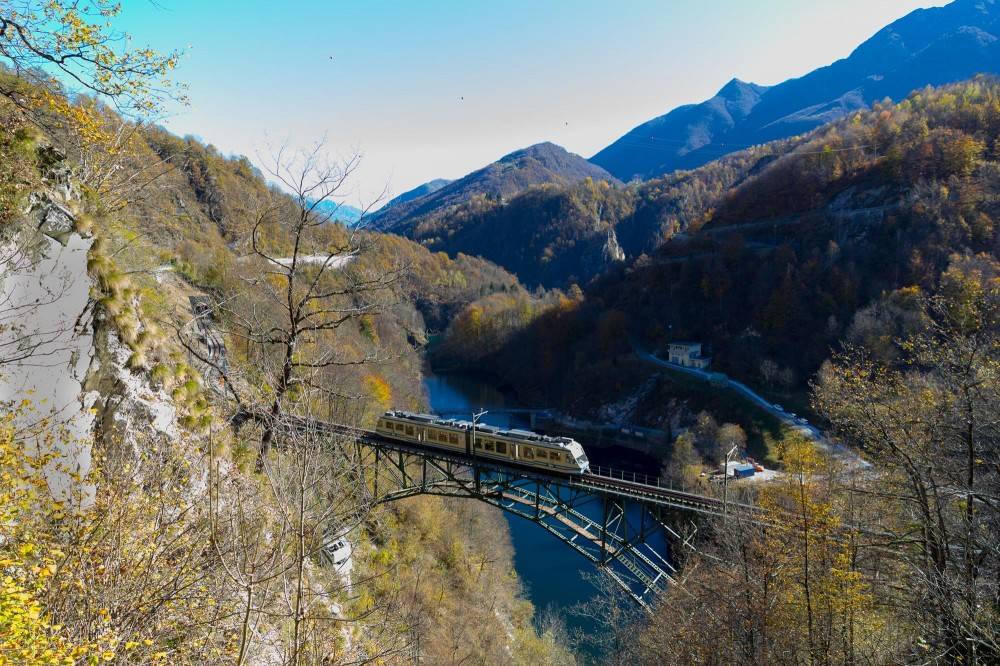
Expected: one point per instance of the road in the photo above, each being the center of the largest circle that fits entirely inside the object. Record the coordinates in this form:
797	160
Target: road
332	261
796	423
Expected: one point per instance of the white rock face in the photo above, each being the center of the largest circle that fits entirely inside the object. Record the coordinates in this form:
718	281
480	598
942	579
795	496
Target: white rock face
46	347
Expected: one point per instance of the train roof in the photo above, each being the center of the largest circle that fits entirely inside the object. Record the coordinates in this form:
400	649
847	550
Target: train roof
514	433
427	418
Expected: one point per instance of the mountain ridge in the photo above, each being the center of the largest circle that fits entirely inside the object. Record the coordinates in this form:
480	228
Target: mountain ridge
513	173
931	46
423	189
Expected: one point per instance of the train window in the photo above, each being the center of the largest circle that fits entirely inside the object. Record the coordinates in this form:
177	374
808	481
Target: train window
489	446
399	427
381	423
409	430
502	447
528	452
479	444
453	439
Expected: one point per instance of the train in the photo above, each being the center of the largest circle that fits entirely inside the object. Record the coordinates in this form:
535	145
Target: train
523	447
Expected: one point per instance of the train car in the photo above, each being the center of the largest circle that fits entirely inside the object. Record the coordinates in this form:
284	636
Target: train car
559	454
425	429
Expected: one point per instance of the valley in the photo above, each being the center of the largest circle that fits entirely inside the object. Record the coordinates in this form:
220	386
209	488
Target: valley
726	392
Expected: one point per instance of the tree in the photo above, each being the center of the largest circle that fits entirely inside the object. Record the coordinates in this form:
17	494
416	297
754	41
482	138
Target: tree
822	596
685	463
931	422
729	435
300	291
781	588
706	433
308	283
76	43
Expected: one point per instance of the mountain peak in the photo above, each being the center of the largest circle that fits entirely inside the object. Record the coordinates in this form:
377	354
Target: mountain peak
738	88
932	46
513	173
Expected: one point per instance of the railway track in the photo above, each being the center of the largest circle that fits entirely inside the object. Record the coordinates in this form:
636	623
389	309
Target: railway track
603	480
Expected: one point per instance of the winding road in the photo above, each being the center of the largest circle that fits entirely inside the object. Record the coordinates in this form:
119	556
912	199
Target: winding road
796	423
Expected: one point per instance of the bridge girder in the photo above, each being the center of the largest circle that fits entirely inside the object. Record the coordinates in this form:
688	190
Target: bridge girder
625	538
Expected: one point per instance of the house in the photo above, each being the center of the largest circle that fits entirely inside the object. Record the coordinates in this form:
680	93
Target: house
688	354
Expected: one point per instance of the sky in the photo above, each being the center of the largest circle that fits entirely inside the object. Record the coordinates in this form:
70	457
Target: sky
437	89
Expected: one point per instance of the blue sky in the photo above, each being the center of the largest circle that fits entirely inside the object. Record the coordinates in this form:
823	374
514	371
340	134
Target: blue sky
576	72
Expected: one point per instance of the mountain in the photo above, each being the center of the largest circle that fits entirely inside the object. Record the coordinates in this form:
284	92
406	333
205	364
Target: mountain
499	181
340	212
549	235
926	47
646	150
417	192
823	241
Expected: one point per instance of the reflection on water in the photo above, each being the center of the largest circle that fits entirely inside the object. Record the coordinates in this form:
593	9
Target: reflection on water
458	396
551	571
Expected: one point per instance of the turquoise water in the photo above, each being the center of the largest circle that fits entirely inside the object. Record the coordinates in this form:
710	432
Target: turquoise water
551	571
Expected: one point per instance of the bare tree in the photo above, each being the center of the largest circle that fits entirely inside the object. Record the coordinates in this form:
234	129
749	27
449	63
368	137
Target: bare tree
304	278
304	281
932	422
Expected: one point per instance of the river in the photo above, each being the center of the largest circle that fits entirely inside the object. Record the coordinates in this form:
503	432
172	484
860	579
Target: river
552	573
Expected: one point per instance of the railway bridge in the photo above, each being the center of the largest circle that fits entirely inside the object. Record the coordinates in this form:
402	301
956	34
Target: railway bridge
614	519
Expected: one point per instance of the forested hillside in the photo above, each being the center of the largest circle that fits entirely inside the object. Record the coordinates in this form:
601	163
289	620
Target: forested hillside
864	261
555	234
141	524
499	181
195	350
786	265
429	187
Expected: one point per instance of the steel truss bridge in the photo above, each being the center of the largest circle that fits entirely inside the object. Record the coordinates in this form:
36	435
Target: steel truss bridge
616	520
